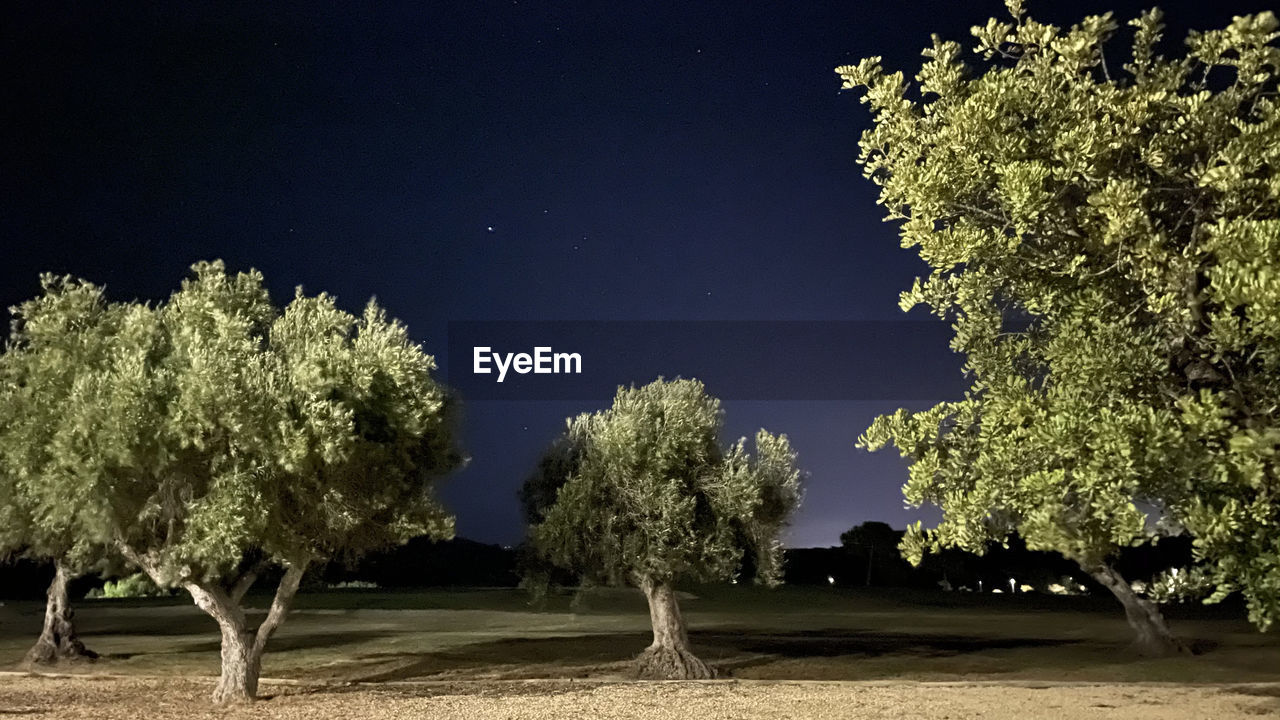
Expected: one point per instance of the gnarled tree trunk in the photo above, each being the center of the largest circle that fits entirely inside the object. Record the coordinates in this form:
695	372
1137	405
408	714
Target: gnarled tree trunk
58	640
668	658
242	649
238	677
241	666
1153	636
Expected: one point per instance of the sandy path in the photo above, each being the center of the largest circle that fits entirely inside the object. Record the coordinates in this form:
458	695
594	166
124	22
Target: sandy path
109	698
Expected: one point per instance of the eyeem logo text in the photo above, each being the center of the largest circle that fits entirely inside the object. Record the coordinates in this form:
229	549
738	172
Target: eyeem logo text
542	362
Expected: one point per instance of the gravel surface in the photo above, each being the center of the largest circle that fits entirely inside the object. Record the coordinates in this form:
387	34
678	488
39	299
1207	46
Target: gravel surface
105	698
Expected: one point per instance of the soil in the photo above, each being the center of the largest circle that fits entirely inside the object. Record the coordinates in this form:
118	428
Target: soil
106	698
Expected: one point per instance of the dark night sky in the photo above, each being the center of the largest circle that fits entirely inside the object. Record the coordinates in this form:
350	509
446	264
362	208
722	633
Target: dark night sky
635	161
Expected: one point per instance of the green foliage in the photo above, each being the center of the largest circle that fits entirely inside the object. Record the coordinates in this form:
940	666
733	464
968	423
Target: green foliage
644	490
1105	242
137	585
223	430
58	340
555	466
536	495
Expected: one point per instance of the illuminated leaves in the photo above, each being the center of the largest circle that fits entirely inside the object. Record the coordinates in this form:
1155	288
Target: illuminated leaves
1105	242
214	426
58	339
648	492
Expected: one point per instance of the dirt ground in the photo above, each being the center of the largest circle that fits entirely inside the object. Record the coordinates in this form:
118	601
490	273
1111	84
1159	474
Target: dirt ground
107	698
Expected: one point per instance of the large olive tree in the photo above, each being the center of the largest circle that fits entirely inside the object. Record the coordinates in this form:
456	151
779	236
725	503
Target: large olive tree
649	497
57	339
231	437
1104	238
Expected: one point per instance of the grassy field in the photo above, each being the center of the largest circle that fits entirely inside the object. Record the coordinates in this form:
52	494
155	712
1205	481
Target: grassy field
794	633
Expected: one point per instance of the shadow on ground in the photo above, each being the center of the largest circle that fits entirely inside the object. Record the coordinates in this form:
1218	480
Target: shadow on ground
307	641
794	633
609	653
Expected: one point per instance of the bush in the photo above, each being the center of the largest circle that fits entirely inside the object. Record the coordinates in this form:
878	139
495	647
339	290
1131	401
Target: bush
134	586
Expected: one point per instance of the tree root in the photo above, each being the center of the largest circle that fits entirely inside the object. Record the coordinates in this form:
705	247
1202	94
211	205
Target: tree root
668	663
1156	647
47	652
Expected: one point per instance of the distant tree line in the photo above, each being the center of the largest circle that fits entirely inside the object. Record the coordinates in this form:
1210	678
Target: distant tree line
869	556
426	563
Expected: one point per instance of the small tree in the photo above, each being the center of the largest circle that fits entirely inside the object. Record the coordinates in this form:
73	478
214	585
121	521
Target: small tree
56	340
651	498
234	437
1104	240
873	540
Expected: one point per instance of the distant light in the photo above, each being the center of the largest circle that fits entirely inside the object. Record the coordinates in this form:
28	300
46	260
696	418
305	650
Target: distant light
1013	585
831	580
490	228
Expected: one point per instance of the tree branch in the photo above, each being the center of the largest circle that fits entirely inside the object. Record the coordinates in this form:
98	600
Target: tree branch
280	604
246	580
138	559
217	604
995	217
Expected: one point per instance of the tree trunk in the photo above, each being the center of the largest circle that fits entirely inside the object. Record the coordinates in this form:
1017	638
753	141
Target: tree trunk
58	640
668	658
1153	636
242	649
241	666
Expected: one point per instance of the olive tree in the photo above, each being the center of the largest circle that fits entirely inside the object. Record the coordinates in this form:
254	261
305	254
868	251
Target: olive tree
231	437
56	339
650	497
1104	240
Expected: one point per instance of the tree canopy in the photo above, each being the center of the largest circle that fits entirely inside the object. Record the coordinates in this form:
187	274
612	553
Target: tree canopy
56	340
655	495
1103	239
